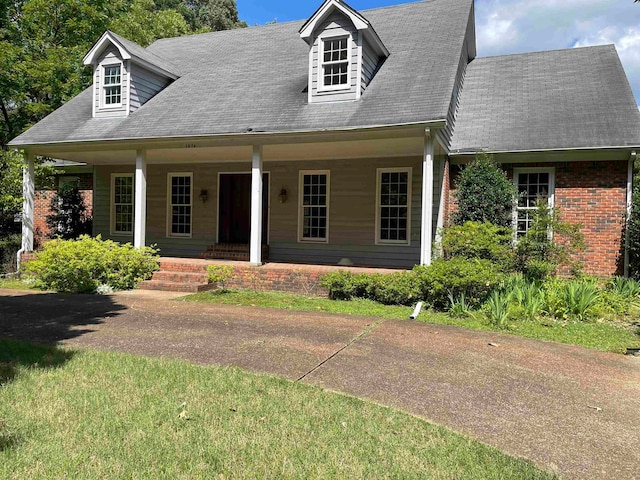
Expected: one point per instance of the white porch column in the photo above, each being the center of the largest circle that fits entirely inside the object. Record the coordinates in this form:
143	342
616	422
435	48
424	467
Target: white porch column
140	202
426	225
28	195
255	246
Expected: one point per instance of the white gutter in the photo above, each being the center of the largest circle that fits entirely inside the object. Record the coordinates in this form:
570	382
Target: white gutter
632	159
539	150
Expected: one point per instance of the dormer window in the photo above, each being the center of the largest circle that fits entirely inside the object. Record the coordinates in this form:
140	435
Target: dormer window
345	53
335	63
112	85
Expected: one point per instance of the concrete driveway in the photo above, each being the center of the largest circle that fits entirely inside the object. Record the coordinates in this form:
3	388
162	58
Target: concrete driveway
570	410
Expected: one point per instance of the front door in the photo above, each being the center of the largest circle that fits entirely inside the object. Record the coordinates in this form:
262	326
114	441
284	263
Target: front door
234	223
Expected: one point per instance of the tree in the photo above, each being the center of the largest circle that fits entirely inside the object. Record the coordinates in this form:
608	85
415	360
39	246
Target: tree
485	194
68	219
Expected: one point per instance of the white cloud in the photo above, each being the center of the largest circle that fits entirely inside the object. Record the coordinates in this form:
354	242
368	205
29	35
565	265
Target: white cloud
516	26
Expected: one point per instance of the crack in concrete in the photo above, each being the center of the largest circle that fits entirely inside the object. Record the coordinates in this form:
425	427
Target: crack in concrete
365	332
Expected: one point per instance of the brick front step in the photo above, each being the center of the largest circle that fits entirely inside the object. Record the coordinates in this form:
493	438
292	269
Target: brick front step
174	286
238	252
180	277
236	256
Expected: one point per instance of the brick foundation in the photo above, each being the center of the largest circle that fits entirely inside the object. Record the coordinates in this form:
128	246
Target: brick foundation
591	193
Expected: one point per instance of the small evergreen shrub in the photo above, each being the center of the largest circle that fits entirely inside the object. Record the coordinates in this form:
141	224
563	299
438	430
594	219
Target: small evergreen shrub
219	274
68	218
473	278
80	266
485	193
344	285
9	247
548	243
394	289
481	240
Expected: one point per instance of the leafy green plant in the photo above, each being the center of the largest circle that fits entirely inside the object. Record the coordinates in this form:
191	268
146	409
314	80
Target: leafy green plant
9	246
458	306
344	285
220	274
530	298
68	218
484	193
394	289
627	287
549	242
82	265
578	300
497	308
482	240
473	278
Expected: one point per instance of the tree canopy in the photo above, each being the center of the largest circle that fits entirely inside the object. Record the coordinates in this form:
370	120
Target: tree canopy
42	43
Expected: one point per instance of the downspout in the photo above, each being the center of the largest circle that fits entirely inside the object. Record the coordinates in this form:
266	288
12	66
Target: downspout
630	166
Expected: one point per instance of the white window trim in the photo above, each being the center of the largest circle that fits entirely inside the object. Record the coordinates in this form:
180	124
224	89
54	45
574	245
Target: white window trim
379	172
301	175
552	190
112	213
103	86
321	40
170	234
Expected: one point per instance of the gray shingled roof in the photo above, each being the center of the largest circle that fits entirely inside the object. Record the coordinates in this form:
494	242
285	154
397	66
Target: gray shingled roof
257	78
142	53
572	98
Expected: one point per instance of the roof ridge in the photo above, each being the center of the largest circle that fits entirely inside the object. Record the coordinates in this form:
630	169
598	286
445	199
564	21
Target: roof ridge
524	54
407	3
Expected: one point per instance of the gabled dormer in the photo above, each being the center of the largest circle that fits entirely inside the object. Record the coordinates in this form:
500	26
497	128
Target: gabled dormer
345	53
125	75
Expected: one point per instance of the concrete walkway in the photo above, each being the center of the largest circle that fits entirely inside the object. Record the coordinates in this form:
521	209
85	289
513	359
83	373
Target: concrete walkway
570	410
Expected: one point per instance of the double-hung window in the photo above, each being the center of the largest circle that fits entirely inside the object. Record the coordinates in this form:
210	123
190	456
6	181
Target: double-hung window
112	85
180	204
533	184
335	63
393	212
314	206
122	204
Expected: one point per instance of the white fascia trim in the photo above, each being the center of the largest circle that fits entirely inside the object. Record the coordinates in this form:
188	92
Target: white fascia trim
90	57
435	124
307	29
535	150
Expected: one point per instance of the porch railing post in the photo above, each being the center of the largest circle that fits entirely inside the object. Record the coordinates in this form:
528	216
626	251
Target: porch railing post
140	214
426	224
255	247
28	196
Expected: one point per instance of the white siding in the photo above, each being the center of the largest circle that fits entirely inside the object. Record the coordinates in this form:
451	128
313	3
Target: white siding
370	62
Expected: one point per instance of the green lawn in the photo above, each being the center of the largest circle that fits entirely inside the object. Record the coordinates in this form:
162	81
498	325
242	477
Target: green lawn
88	415
604	336
14	284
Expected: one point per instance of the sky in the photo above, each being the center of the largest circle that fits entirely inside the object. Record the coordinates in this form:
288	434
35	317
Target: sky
511	26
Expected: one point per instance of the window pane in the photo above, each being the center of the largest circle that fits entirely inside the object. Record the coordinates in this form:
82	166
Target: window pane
314	200
394	206
123	204
532	187
335	62
180	205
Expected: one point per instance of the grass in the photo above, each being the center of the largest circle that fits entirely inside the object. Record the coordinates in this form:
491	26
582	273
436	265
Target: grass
87	415
14	284
604	336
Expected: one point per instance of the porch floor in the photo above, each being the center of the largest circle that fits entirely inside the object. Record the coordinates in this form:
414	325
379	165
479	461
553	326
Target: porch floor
190	275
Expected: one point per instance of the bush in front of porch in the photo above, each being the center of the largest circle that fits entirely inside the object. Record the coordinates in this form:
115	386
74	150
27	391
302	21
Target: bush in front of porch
85	264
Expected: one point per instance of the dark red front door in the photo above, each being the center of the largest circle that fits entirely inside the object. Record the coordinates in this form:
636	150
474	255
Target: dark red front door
235	208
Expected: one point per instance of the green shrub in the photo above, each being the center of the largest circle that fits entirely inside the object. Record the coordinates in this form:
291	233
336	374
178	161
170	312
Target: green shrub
626	287
68	219
472	277
572	299
394	289
84	264
497	308
219	274
485	194
481	240
549	242
399	288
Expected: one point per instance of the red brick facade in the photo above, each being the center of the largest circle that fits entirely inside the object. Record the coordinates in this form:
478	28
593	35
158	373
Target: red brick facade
593	194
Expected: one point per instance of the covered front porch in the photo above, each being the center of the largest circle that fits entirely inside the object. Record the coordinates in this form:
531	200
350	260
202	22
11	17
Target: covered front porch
368	197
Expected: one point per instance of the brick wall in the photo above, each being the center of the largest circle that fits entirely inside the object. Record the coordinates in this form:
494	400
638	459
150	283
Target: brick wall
591	193
42	206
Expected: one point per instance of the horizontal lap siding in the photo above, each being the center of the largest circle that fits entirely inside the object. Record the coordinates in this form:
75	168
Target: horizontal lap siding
110	56
352	212
335	25
102	201
144	86
369	65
